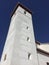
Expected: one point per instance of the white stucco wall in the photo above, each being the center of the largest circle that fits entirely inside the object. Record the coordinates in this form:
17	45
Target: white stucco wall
43	59
17	48
24	47
44	47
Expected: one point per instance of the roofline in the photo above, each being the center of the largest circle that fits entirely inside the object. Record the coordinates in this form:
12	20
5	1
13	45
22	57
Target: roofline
37	42
40	50
21	5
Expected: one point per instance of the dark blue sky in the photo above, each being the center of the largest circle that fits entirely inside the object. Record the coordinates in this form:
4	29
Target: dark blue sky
40	10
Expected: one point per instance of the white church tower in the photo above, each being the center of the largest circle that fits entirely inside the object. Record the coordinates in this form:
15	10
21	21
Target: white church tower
20	47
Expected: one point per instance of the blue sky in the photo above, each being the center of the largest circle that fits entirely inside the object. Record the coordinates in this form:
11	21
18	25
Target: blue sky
40	14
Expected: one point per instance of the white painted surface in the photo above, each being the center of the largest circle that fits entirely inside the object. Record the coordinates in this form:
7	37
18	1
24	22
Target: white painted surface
44	47
16	46
43	59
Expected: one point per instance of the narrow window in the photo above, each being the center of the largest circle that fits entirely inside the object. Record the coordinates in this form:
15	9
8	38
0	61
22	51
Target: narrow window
29	56
27	27
24	12
5	57
28	39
